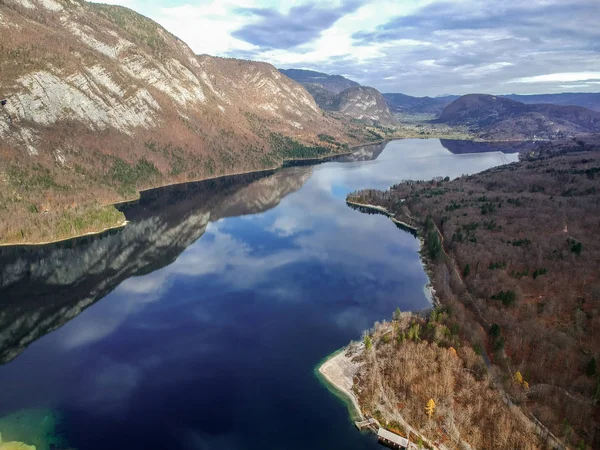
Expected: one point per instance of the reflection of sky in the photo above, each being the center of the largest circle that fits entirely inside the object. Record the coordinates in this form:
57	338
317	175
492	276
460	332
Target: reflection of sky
212	345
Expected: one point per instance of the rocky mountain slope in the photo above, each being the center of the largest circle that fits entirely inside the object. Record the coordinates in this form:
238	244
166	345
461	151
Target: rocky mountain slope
493	117
364	103
409	105
336	93
331	83
102	102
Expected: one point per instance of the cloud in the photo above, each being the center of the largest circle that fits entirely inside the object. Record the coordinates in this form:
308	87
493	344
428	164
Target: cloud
418	47
561	77
300	25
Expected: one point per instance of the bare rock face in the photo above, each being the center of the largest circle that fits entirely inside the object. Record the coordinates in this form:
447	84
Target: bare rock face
337	93
364	103
494	117
91	80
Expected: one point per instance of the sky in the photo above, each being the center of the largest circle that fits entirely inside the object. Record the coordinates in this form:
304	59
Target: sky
426	47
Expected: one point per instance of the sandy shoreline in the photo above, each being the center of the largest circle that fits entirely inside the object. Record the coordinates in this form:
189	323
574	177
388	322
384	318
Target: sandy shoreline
338	372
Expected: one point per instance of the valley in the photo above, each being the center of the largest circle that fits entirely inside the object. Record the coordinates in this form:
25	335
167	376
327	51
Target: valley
183	237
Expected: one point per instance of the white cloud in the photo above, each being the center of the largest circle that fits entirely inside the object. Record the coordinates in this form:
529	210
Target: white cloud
416	47
559	77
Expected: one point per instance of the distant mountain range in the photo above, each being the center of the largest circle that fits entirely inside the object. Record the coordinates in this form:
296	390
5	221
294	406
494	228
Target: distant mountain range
407	104
332	83
324	88
499	118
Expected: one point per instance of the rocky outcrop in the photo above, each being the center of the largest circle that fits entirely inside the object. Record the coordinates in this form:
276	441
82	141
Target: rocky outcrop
364	103
124	73
336	93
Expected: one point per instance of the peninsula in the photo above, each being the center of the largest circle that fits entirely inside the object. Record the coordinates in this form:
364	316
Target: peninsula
509	352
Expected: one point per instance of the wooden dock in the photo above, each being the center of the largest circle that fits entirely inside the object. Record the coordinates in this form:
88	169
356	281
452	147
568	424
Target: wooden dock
392	440
385	437
369	424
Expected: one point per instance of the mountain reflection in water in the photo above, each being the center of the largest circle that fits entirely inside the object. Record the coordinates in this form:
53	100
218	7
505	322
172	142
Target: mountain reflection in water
217	301
68	277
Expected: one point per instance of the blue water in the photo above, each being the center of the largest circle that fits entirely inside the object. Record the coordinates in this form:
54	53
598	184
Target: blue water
200	324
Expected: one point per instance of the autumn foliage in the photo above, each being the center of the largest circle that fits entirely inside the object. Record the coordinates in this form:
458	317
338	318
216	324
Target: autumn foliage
529	300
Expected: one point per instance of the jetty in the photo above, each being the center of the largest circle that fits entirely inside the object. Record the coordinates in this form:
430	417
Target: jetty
384	437
392	440
368	424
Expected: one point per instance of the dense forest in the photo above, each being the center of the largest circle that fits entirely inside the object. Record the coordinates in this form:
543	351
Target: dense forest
513	255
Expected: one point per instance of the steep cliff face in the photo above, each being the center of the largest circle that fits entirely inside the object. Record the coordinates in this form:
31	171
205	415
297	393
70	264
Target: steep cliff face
102	102
339	94
364	103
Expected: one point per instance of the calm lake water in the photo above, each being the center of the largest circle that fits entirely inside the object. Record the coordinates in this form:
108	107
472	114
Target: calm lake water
199	325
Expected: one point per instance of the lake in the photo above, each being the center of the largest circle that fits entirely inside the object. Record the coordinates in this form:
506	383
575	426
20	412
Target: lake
200	324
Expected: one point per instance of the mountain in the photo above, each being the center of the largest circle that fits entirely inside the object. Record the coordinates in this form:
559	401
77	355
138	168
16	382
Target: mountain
406	104
587	100
363	103
332	83
336	93
493	117
112	103
409	105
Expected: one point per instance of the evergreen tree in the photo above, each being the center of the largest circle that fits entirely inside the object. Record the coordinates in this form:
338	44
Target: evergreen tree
368	342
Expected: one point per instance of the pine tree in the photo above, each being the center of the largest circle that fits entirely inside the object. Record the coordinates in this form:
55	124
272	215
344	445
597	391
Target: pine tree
430	408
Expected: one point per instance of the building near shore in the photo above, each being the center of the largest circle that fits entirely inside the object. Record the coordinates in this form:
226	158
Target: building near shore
391	440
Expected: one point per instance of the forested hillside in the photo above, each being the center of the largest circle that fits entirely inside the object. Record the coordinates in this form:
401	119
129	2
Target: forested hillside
102	102
513	254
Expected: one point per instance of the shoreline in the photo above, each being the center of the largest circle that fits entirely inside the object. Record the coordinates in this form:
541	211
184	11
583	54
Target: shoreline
59	240
432	269
336	372
385	212
284	164
425	263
